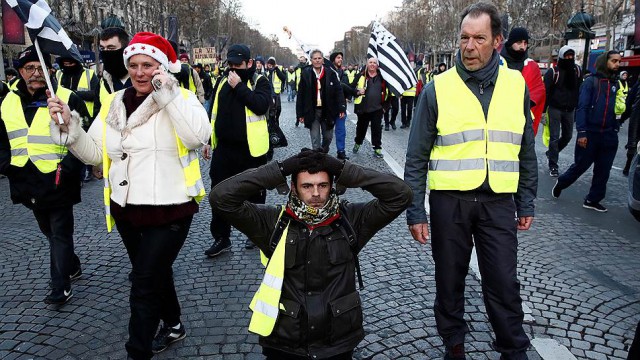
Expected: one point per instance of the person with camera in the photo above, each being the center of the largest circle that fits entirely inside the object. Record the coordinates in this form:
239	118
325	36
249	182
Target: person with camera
240	138
307	306
146	136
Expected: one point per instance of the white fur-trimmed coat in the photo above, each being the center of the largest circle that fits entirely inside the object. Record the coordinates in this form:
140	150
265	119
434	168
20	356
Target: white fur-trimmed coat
145	167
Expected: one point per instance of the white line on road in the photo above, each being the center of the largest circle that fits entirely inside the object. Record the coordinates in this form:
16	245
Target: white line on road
550	349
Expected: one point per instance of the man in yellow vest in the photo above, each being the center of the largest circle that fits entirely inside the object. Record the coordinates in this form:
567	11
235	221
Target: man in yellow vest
472	135
277	78
43	176
291	84
240	138
308	306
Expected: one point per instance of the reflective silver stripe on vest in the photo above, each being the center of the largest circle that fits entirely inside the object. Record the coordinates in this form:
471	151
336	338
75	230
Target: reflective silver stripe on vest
17	133
19	152
195	189
45	157
266	309
456	165
272	281
255	118
504	165
39	139
459	138
187	159
505	137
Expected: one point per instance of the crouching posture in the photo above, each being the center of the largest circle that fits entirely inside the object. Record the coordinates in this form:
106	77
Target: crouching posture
307	305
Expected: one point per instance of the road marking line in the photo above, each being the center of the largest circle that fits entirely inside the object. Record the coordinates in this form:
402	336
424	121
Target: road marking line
616	168
550	349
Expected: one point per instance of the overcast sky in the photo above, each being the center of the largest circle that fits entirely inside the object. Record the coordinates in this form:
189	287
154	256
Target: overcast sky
319	23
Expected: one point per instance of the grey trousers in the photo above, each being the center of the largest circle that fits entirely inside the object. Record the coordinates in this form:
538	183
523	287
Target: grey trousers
321	136
559	120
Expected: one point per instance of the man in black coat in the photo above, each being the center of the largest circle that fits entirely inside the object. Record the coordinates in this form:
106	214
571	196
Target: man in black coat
320	101
49	190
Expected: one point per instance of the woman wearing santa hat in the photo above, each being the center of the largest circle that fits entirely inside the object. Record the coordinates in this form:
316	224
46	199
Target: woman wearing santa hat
145	137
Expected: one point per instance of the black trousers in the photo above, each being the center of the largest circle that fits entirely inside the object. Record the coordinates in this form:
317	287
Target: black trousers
456	225
57	225
393	109
406	107
277	107
225	163
600	151
153	294
273	354
560	133
375	118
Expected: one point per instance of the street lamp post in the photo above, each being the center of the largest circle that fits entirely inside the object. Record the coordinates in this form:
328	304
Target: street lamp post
580	29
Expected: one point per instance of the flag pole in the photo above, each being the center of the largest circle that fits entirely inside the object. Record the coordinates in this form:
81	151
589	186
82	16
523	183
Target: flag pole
45	72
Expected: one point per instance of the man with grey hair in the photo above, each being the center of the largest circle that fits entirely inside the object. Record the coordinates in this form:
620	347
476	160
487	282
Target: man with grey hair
477	148
320	101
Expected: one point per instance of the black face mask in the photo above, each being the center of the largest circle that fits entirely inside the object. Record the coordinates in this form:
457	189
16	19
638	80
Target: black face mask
566	63
245	74
114	63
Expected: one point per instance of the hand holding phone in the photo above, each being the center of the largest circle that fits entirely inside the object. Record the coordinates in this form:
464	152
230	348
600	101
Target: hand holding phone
159	77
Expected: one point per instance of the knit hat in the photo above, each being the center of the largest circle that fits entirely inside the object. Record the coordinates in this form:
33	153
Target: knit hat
516	35
155	46
184	56
30	54
271	61
260	59
335	55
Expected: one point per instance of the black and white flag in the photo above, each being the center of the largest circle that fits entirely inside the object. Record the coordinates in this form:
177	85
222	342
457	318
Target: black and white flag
43	26
394	65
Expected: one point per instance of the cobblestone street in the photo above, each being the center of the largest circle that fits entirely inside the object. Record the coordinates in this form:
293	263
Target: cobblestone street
580	275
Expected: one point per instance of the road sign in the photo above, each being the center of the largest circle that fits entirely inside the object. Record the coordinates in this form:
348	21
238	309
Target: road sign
206	55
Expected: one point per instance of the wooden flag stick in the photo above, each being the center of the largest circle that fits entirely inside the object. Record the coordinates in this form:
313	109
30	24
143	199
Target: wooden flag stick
45	72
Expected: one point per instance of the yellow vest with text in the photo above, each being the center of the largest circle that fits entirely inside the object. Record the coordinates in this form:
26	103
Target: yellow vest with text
470	147
266	301
84	84
32	142
257	131
188	161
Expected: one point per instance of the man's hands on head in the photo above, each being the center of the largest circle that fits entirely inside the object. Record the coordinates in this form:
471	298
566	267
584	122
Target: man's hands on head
312	161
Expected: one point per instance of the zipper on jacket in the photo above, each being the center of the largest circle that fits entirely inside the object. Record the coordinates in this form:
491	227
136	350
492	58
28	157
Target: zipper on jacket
606	106
481	89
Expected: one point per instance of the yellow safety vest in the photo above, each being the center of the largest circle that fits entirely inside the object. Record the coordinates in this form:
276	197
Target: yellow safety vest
351	75
84	84
32	142
277	84
469	145
13	86
621	98
266	301
298	74
291	76
410	92
188	160
361	83
257	131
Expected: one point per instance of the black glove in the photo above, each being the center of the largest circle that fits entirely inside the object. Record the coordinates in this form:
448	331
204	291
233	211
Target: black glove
294	163
312	161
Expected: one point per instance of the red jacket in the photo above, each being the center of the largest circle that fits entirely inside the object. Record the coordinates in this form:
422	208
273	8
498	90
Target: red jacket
537	93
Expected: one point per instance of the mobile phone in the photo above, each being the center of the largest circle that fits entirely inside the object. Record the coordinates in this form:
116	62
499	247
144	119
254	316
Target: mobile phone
157	84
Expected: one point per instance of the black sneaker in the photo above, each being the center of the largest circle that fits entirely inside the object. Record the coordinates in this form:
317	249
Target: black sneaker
76	274
393	126
553	172
386	128
219	246
594	206
556	191
59	297
342	155
248	244
167	336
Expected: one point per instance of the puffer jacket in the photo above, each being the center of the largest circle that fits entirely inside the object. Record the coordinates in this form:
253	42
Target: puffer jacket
145	166
323	314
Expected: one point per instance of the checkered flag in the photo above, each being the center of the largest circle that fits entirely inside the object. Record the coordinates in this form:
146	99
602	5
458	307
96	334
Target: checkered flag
394	65
45	28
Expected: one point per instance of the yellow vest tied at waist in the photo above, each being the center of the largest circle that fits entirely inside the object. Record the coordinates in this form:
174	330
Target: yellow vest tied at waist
257	131
470	147
410	92
84	84
266	301
32	142
188	161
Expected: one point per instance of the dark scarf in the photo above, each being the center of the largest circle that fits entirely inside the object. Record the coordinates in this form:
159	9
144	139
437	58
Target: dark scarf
567	74
485	74
310	215
515	59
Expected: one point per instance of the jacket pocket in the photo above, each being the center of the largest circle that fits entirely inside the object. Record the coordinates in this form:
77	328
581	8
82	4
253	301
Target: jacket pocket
338	249
288	329
346	316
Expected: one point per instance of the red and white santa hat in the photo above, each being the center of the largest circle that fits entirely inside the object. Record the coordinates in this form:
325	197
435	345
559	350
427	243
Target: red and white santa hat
153	45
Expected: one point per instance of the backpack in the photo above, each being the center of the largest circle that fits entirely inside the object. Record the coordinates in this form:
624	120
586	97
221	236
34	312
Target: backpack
556	74
343	225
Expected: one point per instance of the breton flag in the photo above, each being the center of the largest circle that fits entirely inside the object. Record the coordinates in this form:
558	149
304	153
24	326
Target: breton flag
45	28
394	65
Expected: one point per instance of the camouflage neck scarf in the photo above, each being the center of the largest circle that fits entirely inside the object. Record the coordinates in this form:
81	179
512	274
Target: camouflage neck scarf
310	215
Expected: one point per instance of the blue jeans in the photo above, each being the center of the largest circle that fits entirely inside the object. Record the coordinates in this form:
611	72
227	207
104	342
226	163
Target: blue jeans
341	132
207	106
291	93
